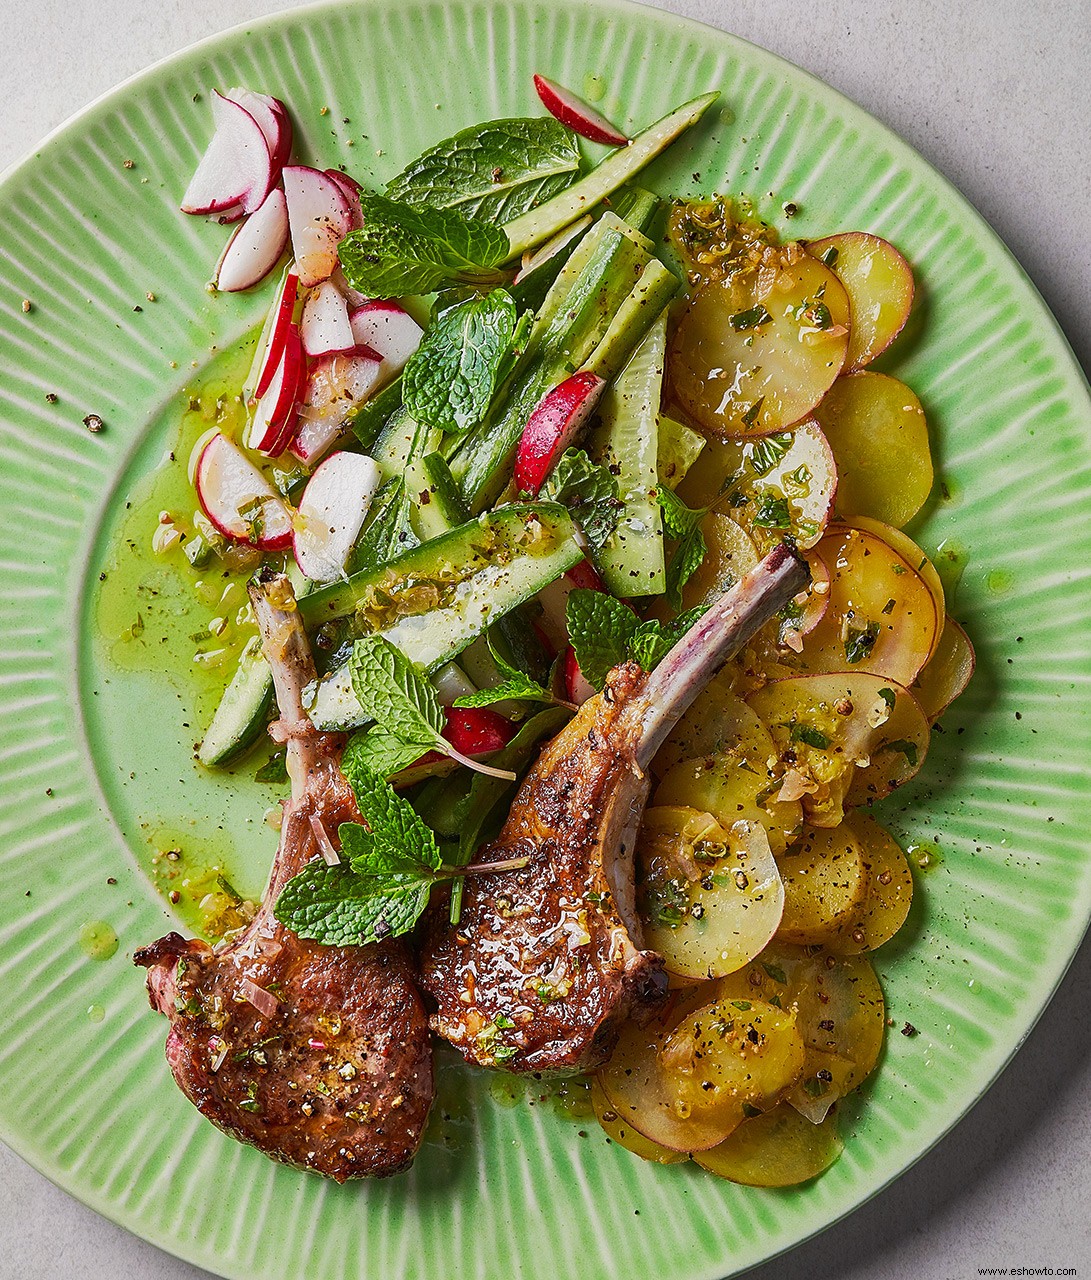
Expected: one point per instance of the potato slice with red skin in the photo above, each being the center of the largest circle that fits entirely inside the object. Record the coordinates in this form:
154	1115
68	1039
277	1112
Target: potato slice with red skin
946	673
755	353
731	555
691	1077
879	436
825	885
808	608
845	739
779	1148
879	282
881	617
709	898
889	890
840	1014
625	1135
912	554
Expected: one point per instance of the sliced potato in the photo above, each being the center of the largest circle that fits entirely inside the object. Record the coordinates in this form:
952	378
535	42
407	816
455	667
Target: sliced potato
844	739
879	283
881	617
730	556
687	1080
825	885
625	1135
889	894
878	434
710	899
754	353
840	1014
946	673
912	554
779	1148
808	608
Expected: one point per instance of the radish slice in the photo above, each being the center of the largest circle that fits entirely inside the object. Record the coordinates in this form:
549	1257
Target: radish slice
350	189
331	513
225	217
272	426
552	427
238	499
272	119
577	115
325	325
451	683
389	329
255	246
352	296
586	576
337	384
236	169
476	731
318	216
577	688
274	334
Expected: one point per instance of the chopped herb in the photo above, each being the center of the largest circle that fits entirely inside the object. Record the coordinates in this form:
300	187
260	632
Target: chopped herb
859	642
907	749
752	319
772	513
774	971
830	256
767	452
889	697
809	735
750	416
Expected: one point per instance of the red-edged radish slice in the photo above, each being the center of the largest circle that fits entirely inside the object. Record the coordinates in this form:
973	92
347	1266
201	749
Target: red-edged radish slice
389	329
477	731
351	189
274	334
318	216
331	513
325	325
336	384
237	167
577	688
272	119
225	217
255	246
554	600
274	419
352	296
552	427
238	499
577	115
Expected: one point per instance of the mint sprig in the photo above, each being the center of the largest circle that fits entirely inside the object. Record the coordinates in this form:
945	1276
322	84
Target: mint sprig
604	632
450	380
403	705
405	249
683	524
393	864
516	686
590	493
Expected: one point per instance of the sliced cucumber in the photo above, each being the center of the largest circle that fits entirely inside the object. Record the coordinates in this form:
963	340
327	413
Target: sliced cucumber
402	440
631	562
437	504
243	710
547	219
372	416
679	448
480	572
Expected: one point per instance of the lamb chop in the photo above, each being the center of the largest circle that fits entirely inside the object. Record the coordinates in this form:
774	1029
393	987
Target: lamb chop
319	1056
545	963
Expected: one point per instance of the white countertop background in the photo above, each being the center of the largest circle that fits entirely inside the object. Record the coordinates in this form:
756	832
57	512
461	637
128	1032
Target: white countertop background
996	94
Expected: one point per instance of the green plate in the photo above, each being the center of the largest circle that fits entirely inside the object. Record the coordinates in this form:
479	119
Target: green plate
498	1189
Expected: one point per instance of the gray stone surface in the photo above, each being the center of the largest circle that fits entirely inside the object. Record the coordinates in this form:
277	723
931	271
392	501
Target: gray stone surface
996	95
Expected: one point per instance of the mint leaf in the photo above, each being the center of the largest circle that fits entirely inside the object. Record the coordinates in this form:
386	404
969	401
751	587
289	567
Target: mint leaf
650	642
335	906
275	769
496	171
601	630
392	694
380	752
684	525
589	491
404	249
516	684
452	377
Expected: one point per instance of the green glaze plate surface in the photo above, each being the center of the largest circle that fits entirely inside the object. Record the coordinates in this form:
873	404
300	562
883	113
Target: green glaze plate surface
96	735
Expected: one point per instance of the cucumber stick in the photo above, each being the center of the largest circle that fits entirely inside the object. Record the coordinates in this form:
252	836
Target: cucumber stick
627	441
602	304
465	580
437	504
622	165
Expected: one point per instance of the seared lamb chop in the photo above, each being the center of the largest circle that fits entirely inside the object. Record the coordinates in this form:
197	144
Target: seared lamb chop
546	962
320	1056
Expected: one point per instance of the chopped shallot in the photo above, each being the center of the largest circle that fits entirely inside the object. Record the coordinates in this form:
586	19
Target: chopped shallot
330	856
264	1001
